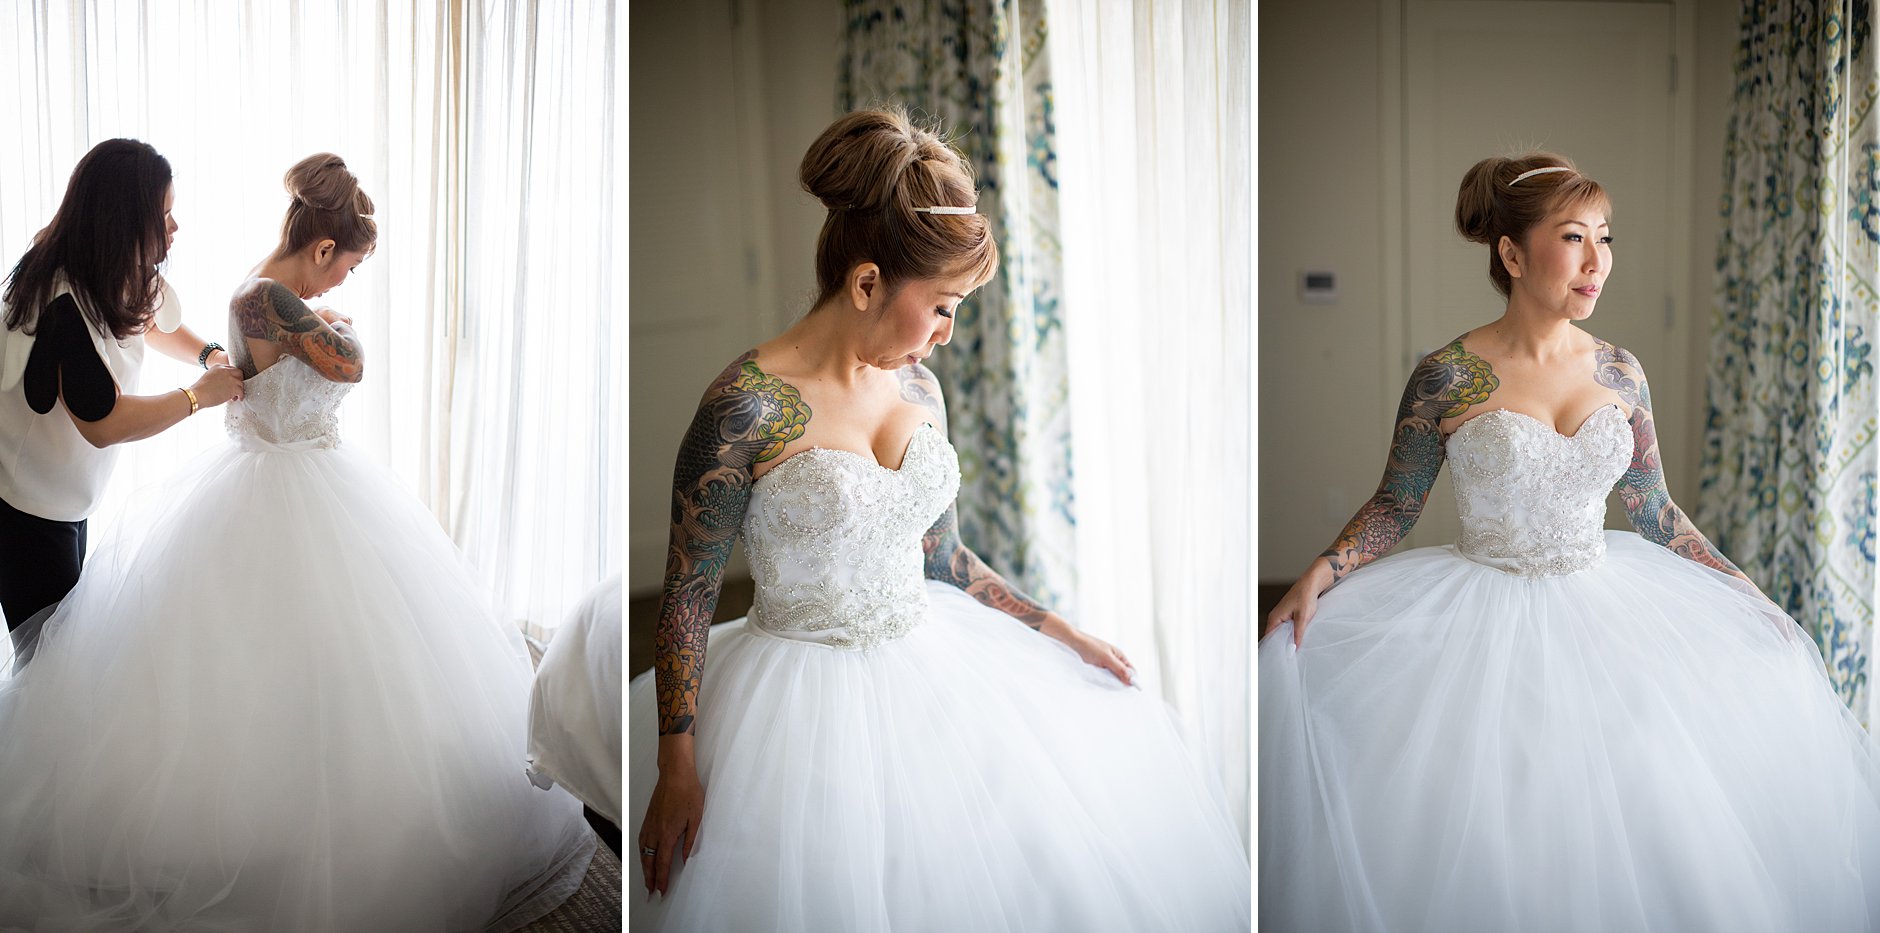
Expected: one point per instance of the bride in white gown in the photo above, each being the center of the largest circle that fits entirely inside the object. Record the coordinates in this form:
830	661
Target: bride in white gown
284	704
1549	726
894	738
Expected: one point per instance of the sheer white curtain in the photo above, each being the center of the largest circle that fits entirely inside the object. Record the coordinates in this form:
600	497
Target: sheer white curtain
534	444
231	102
233	94
1154	133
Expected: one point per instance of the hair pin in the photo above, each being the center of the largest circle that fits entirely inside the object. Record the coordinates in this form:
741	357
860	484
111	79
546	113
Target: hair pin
1530	173
946	210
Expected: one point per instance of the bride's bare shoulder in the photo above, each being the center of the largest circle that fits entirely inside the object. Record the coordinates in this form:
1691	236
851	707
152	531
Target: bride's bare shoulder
919	385
747	414
255	285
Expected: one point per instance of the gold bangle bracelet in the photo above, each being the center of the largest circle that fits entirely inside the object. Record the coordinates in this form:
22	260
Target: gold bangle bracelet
191	395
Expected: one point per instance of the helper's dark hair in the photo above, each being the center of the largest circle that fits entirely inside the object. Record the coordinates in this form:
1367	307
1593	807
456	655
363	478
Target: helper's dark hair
107	239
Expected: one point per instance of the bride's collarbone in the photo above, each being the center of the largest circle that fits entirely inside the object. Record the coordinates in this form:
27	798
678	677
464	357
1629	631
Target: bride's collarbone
872	419
1560	393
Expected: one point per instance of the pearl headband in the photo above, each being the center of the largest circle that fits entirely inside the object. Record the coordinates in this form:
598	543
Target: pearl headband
1530	173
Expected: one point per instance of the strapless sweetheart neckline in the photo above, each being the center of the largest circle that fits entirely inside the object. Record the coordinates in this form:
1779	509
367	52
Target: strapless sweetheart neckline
858	455
1577	432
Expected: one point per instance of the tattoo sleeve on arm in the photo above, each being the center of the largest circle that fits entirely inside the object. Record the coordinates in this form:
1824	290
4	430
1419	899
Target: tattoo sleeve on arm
1642	489
1445	384
948	559
271	311
746	417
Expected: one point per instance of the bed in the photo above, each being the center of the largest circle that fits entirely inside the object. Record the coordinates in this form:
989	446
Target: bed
574	708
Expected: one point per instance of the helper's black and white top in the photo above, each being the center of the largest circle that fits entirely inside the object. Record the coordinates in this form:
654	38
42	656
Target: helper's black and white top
47	468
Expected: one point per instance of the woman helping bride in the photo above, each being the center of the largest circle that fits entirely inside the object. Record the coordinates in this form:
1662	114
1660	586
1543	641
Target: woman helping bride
280	701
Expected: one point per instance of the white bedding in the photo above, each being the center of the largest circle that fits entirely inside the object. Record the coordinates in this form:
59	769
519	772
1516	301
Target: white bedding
574	707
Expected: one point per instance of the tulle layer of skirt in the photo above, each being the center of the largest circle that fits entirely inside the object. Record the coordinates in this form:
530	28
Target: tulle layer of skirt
1642	745
971	775
282	703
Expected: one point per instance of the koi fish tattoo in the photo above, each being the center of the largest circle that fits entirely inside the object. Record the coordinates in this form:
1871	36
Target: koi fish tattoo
267	310
746	417
1444	385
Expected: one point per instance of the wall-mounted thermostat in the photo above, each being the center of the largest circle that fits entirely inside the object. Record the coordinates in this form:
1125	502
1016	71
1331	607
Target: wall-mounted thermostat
1318	286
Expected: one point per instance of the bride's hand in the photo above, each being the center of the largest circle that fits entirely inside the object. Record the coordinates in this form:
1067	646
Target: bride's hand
331	316
1301	602
671	825
1095	651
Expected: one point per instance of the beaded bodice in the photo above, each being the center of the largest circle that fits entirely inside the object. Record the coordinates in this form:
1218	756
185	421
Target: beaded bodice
834	540
288	406
1532	500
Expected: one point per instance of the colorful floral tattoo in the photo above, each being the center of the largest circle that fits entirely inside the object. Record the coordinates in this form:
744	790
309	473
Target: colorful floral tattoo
1642	489
746	417
1444	385
264	309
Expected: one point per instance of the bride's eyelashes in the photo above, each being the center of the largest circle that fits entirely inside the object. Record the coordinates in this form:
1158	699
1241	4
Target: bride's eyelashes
943	312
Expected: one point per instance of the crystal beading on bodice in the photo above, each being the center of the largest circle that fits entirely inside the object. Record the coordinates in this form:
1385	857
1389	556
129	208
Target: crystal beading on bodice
287	407
834	541
1532	500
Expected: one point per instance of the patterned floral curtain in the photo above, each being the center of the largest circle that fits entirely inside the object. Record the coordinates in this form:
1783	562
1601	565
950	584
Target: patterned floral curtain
1790	455
980	68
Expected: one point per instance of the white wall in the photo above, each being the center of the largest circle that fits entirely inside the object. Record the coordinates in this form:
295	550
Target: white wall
726	97
1327	390
722	238
1713	59
1321	376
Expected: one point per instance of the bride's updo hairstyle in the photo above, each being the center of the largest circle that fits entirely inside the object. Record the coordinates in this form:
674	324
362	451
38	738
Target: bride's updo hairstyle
1508	197
327	205
872	169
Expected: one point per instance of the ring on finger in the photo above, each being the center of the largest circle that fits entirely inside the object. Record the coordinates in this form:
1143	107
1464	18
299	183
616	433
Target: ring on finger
646	852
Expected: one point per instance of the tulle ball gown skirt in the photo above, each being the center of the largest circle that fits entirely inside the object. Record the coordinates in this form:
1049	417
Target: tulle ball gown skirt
1642	745
969	775
283	705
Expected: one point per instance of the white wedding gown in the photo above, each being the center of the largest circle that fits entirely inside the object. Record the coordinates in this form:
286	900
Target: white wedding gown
1552	727
884	753
281	703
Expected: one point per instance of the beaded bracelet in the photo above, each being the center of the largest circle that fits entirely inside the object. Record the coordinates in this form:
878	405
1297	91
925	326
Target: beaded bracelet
202	359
